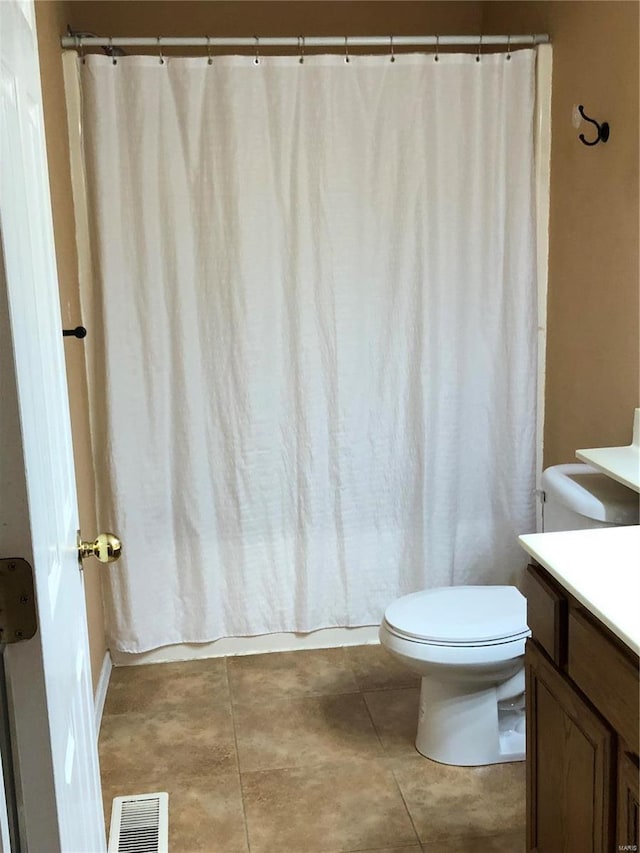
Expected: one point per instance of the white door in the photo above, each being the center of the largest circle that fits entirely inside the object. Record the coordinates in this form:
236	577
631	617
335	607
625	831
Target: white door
48	677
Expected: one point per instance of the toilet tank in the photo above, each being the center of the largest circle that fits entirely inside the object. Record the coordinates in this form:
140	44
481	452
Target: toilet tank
577	497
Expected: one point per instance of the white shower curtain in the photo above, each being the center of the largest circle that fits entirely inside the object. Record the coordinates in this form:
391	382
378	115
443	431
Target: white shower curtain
311	334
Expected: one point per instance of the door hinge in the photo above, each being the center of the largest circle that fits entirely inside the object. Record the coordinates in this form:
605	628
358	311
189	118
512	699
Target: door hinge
18	619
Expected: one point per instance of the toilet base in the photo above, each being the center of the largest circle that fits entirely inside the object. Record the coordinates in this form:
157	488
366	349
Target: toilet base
461	725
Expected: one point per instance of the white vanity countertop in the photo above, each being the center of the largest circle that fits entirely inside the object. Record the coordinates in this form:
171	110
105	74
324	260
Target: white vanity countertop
601	568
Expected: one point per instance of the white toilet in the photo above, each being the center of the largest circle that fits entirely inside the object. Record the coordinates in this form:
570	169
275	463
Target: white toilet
467	642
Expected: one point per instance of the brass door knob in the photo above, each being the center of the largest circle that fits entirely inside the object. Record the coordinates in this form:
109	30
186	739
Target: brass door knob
106	548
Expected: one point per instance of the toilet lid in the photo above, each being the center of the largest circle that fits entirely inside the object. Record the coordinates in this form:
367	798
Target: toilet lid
462	615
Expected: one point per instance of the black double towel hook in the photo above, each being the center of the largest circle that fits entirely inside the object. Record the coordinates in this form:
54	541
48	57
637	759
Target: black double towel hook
78	332
603	129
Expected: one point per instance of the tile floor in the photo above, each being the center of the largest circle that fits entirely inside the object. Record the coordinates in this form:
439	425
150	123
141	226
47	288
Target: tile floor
298	752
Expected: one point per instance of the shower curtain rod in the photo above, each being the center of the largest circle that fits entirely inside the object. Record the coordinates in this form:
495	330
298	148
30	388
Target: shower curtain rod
301	41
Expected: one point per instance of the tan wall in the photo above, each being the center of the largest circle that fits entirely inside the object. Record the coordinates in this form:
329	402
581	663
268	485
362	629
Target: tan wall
51	23
593	336
184	17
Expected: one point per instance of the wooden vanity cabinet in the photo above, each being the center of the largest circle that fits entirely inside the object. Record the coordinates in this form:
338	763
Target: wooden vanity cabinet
582	727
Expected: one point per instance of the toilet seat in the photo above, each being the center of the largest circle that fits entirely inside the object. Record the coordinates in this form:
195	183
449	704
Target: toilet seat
463	616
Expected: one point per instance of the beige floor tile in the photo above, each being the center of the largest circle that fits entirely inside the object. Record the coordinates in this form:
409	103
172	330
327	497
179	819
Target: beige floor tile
395	717
136	746
206	816
375	669
186	684
304	732
452	802
510	843
201	823
314	775
317	672
340	807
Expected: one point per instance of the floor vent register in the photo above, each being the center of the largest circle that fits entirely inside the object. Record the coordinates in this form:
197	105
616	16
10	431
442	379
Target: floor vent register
140	824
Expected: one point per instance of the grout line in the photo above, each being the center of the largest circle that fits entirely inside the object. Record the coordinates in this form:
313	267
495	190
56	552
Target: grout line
395	779
383	849
399	686
389	755
235	741
387	752
319	765
228	683
373	723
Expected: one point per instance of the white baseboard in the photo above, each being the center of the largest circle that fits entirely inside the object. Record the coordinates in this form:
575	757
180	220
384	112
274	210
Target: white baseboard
101	690
327	638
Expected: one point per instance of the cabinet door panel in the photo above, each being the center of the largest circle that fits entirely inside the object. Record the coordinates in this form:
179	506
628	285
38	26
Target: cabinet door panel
570	767
628	831
604	673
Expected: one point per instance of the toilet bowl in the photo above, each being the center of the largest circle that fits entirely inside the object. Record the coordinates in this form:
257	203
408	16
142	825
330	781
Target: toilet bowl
467	644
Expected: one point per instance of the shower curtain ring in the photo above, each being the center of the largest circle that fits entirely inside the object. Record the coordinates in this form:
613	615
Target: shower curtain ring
209	57
114	61
436	58
346	49
508	47
256	60
479	49
160	52
80	47
393	59
301	49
